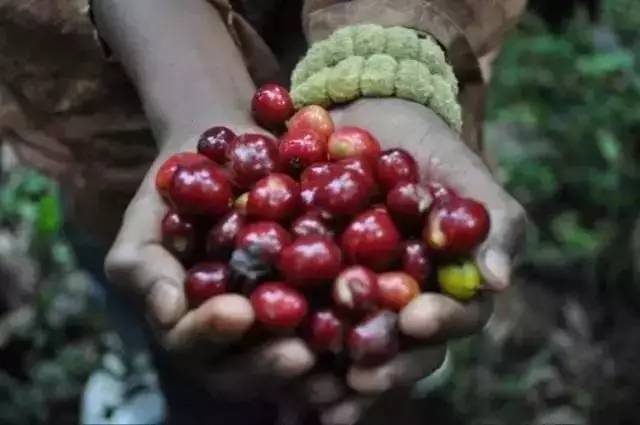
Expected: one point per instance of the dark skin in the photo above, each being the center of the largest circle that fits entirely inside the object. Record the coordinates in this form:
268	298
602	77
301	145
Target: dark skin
190	75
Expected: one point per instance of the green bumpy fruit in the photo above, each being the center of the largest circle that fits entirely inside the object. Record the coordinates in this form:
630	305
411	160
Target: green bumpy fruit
461	281
402	43
379	75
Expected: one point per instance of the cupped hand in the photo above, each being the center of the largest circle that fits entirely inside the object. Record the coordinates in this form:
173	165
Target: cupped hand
198	339
431	318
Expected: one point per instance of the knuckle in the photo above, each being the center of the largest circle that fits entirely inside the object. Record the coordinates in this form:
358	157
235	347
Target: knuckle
120	263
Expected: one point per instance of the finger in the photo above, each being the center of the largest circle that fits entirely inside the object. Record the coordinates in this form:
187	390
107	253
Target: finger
438	317
323	389
404	369
276	362
139	266
346	412
219	321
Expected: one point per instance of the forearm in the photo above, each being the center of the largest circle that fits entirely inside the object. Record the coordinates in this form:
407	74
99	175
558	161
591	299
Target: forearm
183	62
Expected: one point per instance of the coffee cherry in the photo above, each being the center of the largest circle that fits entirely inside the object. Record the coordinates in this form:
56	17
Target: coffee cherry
214	143
342	192
221	238
179	235
397	289
316	171
456	225
310	260
278	306
361	166
347	142
252	157
407	203
274	197
375	340
271	106
301	148
372	240
202	189
356	290
396	166
312	117
266	238
169	167
415	261
460	281
310	223
206	280
325	332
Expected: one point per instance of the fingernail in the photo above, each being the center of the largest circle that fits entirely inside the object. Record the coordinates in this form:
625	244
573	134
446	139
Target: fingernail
165	303
498	265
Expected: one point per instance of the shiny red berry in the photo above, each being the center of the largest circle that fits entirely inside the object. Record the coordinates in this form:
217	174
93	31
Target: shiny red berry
206	280
310	223
407	203
415	261
274	197
301	148
214	143
179	235
312	117
278	306
456	225
266	238
349	142
356	290
361	166
325	332
375	340
251	157
342	192
221	237
315	171
372	240
201	188
271	106
168	168
395	166
396	290
310	260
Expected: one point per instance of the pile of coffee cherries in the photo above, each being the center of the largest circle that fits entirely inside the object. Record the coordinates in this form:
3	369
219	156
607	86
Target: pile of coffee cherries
327	234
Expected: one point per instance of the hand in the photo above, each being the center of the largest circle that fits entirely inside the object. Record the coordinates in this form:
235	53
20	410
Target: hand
432	318
141	267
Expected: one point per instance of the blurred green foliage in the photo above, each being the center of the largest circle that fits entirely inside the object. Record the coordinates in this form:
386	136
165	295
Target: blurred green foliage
567	108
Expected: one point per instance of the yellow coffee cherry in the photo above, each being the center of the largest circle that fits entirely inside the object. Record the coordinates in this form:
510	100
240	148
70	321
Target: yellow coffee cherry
461	281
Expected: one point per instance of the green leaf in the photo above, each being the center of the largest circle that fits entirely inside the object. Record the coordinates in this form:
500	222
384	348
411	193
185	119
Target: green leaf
601	64
49	216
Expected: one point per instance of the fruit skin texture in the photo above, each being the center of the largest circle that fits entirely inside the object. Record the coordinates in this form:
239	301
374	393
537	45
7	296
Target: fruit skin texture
395	166
251	157
271	106
266	237
310	260
310	181
178	235
407	202
274	197
456	225
374	340
325	332
356	290
301	148
201	189
278	306
372	240
415	261
312	117
361	166
397	289
348	142
222	236
214	142
165	173
206	280
342	192
460	281
310	224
